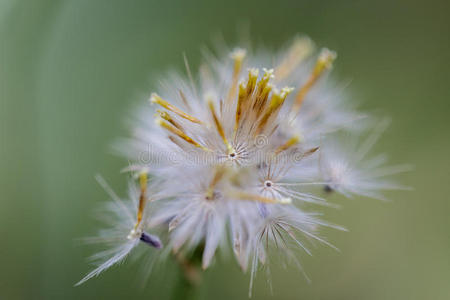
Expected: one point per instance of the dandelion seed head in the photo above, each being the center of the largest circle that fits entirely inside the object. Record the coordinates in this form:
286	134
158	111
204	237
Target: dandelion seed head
127	219
240	153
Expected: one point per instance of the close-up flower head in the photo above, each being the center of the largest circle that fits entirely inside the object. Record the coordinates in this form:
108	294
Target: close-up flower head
239	157
224	149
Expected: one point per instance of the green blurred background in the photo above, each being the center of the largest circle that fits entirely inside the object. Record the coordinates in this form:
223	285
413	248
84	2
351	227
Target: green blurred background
71	70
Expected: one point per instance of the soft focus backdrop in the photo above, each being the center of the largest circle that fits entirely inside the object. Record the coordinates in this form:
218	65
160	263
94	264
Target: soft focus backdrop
71	70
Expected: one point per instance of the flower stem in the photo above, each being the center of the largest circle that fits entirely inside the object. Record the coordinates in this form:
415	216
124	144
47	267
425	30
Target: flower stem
189	275
185	288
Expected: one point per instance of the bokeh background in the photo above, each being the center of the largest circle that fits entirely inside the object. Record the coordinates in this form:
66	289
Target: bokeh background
71	70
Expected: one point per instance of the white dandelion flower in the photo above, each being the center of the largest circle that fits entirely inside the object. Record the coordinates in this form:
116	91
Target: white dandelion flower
236	150
128	220
233	151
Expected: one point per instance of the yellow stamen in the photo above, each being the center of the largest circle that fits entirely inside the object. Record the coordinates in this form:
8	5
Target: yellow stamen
275	103
291	142
258	198
268	74
237	56
301	48
264	96
263	90
180	133
142	198
310	151
218	175
166	116
324	62
245	92
241	98
252	78
219	126
158	100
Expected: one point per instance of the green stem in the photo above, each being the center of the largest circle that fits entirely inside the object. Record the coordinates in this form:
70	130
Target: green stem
185	288
189	276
